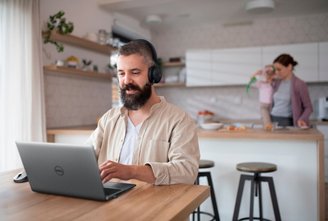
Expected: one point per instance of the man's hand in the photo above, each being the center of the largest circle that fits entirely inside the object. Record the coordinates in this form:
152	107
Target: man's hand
110	169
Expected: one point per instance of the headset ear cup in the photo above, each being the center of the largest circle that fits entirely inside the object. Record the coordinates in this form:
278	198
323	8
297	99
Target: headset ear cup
154	74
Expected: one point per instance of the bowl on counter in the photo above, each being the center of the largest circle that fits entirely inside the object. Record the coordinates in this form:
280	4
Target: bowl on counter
211	126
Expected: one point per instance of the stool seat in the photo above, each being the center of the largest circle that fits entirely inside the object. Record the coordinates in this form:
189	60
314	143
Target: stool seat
256	167
256	190
203	164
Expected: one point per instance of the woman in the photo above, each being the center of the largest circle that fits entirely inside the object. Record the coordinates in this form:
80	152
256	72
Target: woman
291	101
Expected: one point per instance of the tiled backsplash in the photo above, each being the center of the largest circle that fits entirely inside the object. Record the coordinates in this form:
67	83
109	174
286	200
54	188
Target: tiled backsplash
227	102
72	101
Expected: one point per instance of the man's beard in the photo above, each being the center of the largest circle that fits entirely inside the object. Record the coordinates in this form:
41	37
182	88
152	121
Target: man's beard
137	100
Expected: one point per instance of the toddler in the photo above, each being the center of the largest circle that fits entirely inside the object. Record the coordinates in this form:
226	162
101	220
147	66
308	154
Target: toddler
264	79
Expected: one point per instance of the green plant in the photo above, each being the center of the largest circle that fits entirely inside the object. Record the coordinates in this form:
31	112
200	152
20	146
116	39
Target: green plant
57	23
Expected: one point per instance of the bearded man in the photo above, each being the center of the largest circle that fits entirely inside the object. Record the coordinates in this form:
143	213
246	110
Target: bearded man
147	138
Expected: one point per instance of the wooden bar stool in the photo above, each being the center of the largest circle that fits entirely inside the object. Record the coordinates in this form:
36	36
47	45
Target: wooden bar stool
256	168
205	164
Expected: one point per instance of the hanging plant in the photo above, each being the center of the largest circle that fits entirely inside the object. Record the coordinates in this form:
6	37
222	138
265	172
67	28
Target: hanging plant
59	24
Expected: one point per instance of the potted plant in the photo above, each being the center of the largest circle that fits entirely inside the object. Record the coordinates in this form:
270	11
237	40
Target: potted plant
59	24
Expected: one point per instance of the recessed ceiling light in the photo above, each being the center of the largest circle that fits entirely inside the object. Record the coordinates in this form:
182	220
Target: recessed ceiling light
260	6
153	19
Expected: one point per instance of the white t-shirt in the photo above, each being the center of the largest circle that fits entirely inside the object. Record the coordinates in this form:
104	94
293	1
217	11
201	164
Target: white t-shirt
129	144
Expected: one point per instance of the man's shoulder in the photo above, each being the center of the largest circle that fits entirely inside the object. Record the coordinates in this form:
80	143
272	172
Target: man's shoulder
174	111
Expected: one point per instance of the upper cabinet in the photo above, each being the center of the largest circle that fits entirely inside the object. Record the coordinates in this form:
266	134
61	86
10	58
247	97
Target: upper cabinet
305	54
323	61
235	66
199	68
222	67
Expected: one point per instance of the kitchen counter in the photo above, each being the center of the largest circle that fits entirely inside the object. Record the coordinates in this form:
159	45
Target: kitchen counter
251	133
256	133
298	153
299	180
80	132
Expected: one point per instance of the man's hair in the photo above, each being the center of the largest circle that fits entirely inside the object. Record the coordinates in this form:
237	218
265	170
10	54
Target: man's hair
137	47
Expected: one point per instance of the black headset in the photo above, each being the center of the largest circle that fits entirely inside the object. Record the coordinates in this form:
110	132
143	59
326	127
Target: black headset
154	72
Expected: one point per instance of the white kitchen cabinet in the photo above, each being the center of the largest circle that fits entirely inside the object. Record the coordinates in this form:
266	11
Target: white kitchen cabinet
235	66
323	61
222	66
305	54
198	65
324	130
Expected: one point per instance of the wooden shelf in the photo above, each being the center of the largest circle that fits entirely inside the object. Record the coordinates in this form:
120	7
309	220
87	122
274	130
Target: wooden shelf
161	85
173	64
77	72
82	43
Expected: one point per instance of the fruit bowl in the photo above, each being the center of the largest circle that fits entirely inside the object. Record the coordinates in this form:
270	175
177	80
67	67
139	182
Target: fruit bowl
211	126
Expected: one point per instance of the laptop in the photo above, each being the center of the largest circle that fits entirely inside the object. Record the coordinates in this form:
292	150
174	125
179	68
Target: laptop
67	169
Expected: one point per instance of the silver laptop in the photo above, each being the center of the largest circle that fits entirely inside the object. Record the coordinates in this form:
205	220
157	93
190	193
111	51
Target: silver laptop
66	169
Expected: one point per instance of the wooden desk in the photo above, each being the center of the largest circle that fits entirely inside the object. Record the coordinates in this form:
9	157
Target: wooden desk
144	202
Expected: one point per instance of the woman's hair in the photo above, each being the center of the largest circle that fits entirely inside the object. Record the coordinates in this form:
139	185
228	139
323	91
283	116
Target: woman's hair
285	60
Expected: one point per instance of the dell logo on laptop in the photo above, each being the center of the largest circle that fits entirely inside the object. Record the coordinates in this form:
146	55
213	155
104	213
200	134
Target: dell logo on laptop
59	170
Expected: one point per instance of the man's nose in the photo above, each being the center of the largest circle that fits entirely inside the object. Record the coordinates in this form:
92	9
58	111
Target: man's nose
127	79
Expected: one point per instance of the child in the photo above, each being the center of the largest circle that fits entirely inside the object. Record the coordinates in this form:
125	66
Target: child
263	83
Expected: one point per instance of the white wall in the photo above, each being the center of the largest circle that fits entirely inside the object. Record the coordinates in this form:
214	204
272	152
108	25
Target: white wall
76	101
263	32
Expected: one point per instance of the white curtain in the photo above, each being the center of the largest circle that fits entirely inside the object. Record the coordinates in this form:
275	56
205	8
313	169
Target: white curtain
21	79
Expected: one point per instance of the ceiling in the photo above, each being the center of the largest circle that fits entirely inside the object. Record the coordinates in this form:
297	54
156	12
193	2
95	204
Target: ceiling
177	13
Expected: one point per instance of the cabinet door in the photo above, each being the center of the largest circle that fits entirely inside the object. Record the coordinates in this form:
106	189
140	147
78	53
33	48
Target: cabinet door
198	66
235	66
305	54
323	61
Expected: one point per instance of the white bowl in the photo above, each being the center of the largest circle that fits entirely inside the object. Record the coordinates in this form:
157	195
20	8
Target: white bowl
211	126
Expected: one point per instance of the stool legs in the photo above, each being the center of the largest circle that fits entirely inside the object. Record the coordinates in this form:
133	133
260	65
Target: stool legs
256	186
213	199
273	198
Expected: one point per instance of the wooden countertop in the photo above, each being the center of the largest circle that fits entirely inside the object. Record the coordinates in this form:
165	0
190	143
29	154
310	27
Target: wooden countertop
249	133
144	202
85	129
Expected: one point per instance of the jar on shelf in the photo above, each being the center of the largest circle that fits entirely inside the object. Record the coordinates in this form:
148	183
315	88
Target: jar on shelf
102	36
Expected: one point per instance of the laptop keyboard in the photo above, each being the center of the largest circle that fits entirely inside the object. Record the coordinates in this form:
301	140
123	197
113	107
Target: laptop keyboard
110	191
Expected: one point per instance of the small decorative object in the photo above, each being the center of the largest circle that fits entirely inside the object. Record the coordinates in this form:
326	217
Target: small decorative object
57	23
111	68
86	64
72	62
59	63
95	68
91	37
102	36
